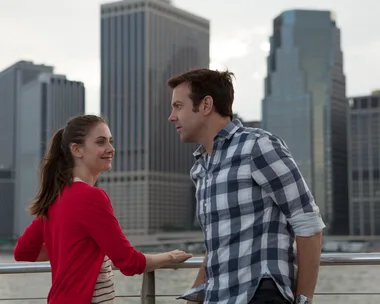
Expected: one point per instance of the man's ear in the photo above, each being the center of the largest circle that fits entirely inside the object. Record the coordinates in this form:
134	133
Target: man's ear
207	104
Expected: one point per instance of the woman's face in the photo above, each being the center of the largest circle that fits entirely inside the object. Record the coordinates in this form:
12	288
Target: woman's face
98	150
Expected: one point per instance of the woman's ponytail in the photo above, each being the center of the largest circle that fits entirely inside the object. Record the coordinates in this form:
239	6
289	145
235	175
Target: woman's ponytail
56	172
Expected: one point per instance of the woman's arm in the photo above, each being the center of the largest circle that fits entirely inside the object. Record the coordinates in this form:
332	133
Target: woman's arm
43	256
98	218
30	244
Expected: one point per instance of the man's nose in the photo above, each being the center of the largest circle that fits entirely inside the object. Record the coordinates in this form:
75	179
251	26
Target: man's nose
172	117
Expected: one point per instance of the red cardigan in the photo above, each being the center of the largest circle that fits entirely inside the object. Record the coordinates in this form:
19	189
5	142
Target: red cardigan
80	230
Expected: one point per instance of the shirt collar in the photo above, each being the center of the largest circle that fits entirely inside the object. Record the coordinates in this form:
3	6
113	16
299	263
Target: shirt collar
226	133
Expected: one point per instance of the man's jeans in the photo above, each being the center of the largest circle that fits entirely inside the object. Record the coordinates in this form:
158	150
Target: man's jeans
268	293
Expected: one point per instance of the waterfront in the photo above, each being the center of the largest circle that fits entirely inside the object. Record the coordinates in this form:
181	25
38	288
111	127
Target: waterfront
337	279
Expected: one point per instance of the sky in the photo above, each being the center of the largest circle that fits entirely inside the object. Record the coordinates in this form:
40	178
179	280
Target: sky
66	34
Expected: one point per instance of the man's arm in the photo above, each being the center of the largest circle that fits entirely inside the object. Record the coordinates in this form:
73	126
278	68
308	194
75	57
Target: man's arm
274	169
308	258
200	279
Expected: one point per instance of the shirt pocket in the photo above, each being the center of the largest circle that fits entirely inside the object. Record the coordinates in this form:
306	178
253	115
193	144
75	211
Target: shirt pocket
233	185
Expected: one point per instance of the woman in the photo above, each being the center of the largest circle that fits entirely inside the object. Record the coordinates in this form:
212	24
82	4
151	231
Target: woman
74	226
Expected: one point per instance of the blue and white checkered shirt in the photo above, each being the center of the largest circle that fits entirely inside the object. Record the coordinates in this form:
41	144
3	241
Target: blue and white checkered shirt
251	203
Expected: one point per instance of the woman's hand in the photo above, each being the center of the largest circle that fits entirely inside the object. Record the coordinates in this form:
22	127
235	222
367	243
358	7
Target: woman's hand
159	260
179	256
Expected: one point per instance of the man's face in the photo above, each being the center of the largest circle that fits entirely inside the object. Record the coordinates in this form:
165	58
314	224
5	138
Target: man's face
187	122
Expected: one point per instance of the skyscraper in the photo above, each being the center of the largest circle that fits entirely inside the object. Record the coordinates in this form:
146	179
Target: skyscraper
45	104
305	103
11	81
143	43
364	164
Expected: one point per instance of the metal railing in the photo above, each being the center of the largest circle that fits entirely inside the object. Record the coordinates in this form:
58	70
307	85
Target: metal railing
148	294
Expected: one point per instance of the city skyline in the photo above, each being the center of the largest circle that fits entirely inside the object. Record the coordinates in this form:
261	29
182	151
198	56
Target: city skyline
137	67
239	42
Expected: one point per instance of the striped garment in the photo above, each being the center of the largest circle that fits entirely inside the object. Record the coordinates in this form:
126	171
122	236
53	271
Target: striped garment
104	289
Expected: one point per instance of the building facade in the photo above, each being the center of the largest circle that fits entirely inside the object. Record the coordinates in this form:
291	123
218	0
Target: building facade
252	124
305	103
143	43
11	81
364	164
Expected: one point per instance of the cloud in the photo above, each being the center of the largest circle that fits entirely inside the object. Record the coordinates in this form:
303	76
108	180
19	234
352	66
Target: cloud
265	47
237	43
223	50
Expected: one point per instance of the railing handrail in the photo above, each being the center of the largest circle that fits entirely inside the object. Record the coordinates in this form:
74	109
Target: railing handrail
327	259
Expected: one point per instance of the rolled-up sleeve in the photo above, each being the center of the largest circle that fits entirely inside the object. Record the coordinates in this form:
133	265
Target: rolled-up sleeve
274	169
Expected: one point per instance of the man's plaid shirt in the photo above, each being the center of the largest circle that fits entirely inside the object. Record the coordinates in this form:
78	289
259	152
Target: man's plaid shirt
251	203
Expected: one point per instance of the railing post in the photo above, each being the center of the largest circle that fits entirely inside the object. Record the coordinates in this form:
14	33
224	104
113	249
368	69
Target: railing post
148	289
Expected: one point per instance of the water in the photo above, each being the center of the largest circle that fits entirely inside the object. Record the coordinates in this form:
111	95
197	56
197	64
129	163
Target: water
337	279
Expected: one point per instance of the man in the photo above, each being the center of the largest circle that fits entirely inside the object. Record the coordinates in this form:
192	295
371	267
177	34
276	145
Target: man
252	202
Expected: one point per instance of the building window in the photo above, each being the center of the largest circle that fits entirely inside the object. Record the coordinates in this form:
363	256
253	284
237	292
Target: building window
364	103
